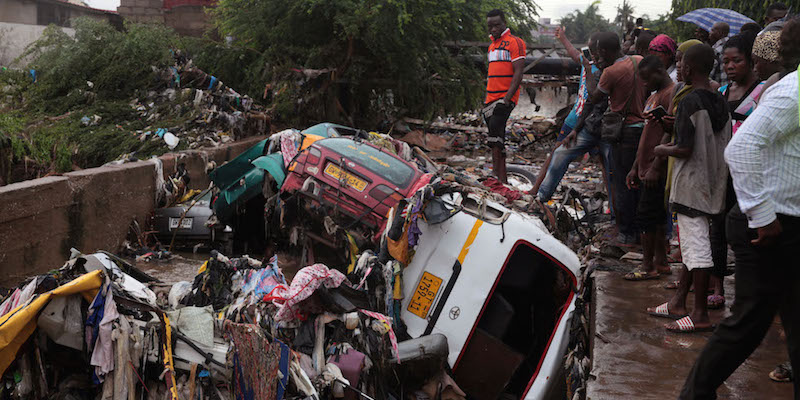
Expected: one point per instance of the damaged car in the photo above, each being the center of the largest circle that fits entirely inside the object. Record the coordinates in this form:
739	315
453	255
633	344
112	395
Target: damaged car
501	289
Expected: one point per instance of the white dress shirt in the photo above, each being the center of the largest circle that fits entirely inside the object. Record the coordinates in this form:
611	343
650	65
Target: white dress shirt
764	156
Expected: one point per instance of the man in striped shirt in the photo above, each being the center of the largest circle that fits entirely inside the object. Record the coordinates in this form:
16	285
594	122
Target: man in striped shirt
506	60
763	231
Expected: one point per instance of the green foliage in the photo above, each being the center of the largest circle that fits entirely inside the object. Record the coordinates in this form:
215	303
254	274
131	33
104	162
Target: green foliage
117	63
370	48
579	25
755	9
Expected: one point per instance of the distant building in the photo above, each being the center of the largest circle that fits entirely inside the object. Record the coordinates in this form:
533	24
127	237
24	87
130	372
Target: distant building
545	32
46	12
187	17
23	21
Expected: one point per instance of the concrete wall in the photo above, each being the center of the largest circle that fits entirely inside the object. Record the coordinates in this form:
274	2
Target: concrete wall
550	98
41	219
142	11
14	38
186	20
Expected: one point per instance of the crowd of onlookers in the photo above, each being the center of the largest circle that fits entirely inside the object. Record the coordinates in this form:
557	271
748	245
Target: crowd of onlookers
700	139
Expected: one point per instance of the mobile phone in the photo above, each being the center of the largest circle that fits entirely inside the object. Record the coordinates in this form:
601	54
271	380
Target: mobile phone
658	112
587	54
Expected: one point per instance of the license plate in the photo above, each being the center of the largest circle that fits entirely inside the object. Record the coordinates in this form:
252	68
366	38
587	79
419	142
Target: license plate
185	224
349	179
423	297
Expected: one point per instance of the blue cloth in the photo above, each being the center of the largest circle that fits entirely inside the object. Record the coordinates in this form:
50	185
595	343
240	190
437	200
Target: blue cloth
94	317
562	156
283	367
262	281
583	94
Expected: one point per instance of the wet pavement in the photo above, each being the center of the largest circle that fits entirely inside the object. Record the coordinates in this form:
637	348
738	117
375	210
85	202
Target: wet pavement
641	360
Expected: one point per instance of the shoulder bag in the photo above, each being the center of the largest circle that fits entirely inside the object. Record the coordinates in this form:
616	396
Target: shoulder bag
614	122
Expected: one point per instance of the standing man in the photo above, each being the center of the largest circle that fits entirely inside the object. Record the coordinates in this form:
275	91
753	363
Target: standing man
506	60
775	12
582	137
626	94
717	39
764	231
649	172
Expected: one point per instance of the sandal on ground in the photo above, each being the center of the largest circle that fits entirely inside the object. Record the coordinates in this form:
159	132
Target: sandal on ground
662	311
716	302
640	276
686	325
671	285
782	373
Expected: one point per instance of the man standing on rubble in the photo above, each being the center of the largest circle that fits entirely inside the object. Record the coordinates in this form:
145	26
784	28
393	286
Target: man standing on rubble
506	60
626	95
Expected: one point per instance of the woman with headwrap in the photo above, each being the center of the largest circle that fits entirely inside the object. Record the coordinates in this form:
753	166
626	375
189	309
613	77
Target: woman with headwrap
766	58
664	47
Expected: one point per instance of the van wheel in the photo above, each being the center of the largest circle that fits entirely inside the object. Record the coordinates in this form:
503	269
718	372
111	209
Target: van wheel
520	178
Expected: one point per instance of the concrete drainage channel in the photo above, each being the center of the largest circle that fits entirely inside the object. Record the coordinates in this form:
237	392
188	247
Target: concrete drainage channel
42	219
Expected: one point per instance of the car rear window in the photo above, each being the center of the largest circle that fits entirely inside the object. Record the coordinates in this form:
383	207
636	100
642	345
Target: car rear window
376	161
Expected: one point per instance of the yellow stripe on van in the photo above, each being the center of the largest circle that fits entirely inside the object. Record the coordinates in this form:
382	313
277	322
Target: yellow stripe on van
470	239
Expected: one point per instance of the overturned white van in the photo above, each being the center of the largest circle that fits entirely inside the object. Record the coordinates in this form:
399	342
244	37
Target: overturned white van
502	290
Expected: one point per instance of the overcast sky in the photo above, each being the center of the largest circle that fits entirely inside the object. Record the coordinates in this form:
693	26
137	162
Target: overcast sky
554	9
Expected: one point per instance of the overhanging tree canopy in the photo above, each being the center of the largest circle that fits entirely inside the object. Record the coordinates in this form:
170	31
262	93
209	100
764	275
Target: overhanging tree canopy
368	49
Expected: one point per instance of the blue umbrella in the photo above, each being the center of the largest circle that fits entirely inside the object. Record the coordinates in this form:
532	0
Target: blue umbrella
707	17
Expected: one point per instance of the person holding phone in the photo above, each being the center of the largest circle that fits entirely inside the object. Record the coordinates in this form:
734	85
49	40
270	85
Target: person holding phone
649	172
556	165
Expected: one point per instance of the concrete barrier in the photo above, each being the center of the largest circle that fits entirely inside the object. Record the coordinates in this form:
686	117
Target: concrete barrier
91	209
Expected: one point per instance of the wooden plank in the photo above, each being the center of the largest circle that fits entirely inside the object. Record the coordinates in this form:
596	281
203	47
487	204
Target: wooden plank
444	125
538	60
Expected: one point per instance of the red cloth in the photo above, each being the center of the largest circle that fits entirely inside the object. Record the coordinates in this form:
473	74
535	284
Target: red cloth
498	187
168	4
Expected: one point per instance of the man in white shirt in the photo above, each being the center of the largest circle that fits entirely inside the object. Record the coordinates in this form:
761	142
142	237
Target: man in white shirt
763	231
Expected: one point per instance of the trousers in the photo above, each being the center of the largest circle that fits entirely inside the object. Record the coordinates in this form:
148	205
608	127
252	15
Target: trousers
562	156
767	283
626	200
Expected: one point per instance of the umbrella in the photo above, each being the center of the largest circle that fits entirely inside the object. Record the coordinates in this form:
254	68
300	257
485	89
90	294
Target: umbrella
707	17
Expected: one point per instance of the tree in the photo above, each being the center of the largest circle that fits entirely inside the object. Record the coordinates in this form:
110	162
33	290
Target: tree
624	14
579	25
374	52
755	9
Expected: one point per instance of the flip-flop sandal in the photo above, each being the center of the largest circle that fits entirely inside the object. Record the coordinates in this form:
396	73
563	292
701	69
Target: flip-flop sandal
686	325
662	311
782	373
640	276
671	285
716	302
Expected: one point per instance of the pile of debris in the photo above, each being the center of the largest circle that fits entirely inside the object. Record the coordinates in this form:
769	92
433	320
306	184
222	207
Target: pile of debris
207	113
466	133
414	274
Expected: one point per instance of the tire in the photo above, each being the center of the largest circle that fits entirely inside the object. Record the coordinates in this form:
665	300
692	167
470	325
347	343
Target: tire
523	179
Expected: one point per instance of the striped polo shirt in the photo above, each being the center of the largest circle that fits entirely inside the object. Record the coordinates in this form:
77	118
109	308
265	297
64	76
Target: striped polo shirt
502	52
